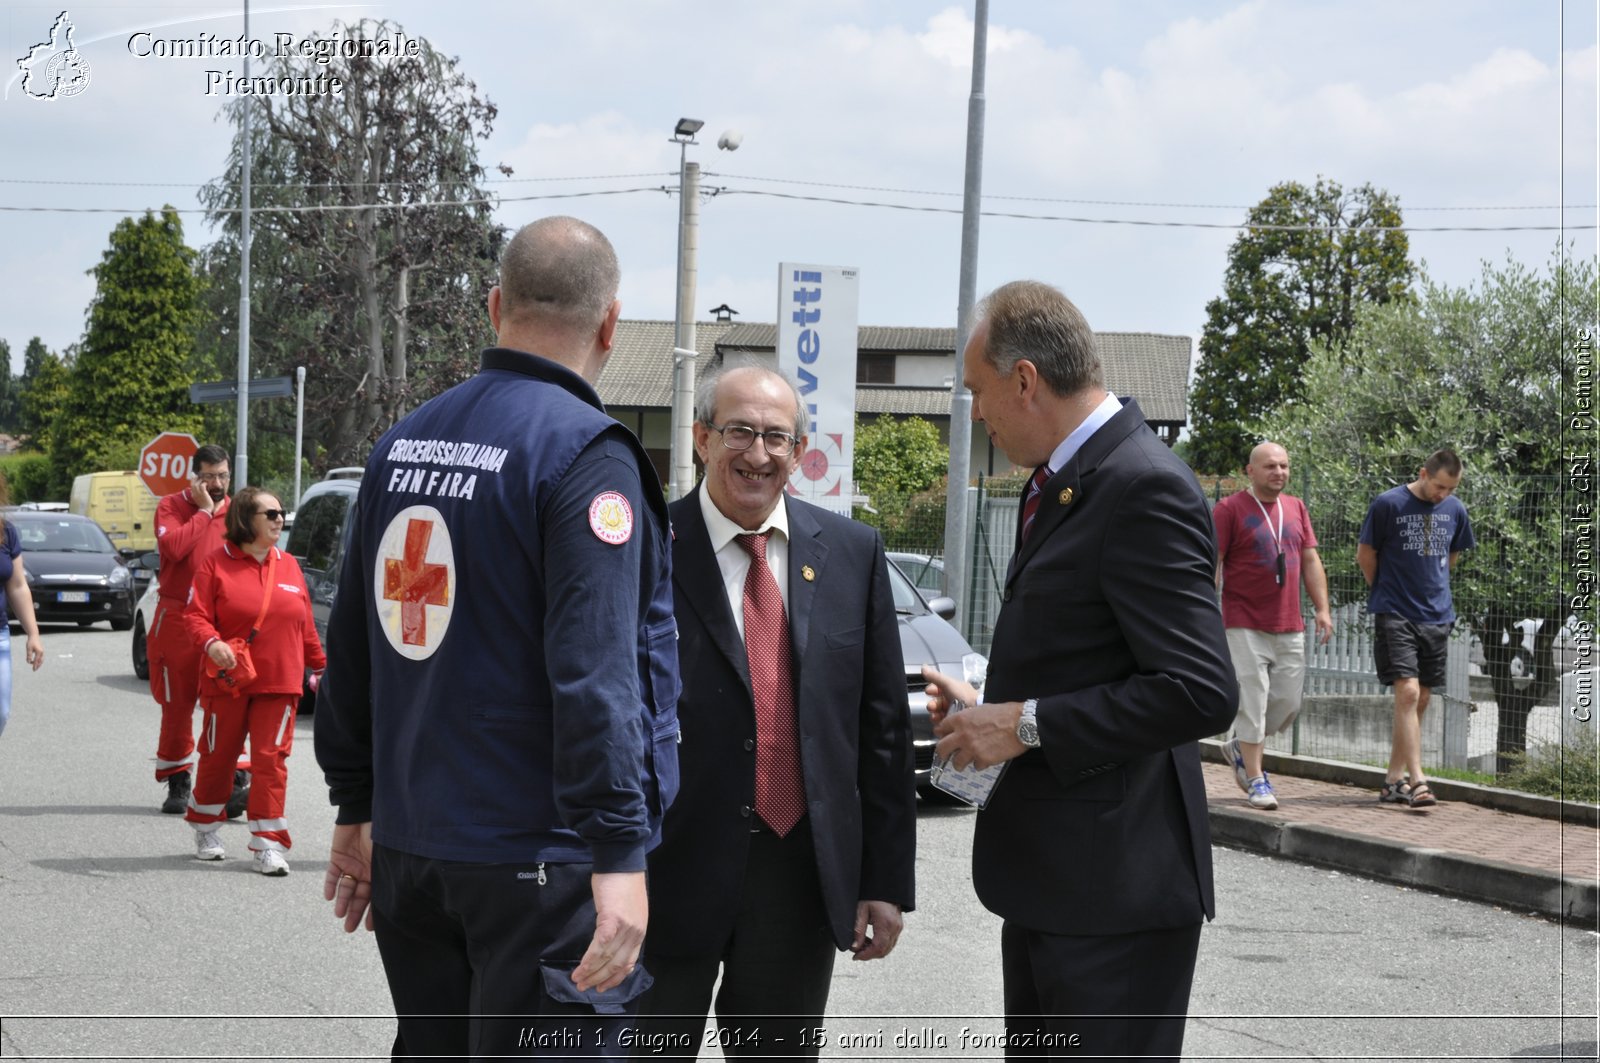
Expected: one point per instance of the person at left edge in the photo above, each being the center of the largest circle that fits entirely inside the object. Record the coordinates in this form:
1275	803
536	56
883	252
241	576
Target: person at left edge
189	528
20	598
250	578
498	725
794	836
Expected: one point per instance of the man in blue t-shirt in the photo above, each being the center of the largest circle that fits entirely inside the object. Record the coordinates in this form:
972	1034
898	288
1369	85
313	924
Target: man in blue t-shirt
1410	541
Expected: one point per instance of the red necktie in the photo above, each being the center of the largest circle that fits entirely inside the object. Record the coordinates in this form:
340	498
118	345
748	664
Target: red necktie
1030	503
780	788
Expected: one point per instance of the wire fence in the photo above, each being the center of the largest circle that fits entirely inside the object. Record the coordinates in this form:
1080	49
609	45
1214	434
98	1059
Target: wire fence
1507	594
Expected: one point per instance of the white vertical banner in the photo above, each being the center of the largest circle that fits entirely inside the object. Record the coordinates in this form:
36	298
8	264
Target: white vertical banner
817	312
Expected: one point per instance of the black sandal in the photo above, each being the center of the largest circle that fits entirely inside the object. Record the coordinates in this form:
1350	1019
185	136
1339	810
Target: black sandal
1422	796
1394	793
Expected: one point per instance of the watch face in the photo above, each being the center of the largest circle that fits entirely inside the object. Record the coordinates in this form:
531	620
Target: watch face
1028	734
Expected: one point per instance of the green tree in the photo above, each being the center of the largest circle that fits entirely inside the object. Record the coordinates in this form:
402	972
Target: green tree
895	461
131	377
1311	259
1481	370
379	294
9	384
47	380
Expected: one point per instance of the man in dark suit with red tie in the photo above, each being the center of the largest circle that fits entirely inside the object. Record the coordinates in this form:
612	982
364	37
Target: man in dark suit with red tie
793	834
1109	661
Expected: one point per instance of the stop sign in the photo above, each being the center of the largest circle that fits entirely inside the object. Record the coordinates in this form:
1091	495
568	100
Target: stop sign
165	463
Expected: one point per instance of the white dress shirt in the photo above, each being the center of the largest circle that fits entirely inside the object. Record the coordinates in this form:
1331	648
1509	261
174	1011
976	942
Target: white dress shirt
734	560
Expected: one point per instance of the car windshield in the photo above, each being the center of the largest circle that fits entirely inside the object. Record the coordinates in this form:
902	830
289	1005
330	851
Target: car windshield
63	536
906	598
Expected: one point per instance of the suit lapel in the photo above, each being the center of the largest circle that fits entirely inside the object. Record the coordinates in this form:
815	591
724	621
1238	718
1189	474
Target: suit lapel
1062	494
699	581
806	551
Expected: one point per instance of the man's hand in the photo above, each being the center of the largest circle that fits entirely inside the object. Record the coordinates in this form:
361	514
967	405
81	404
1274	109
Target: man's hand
946	692
982	736
200	496
621	911
886	922
1324	623
348	880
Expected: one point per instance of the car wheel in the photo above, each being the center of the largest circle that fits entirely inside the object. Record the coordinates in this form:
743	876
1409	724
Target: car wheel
141	651
86	623
121	623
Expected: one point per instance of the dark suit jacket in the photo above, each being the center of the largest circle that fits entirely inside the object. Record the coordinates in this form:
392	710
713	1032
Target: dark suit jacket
855	734
1109	617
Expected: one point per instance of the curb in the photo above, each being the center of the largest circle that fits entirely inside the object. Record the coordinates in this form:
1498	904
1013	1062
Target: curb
1575	901
1338	771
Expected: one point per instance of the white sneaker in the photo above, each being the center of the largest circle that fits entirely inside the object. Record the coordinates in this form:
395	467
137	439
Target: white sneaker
271	862
1235	755
208	845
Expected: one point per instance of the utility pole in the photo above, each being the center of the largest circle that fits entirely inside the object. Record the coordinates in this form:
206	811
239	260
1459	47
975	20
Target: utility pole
955	510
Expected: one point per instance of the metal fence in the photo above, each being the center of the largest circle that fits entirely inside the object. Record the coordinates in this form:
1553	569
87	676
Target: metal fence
1347	714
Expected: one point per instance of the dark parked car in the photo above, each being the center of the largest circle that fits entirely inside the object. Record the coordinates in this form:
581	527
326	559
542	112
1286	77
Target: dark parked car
925	571
926	637
74	571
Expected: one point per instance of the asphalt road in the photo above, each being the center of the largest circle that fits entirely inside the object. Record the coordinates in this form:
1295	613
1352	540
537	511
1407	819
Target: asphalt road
116	944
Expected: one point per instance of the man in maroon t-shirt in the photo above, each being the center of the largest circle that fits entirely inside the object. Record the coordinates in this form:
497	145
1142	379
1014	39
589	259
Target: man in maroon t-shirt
1266	549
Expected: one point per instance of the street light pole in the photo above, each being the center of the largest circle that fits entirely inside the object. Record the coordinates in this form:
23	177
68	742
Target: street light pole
241	430
684	351
683	348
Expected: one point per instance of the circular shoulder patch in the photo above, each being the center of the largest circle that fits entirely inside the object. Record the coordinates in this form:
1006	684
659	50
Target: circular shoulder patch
414	585
611	518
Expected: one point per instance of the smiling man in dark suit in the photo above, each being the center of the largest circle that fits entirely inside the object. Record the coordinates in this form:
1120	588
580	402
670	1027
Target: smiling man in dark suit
1109	661
793	835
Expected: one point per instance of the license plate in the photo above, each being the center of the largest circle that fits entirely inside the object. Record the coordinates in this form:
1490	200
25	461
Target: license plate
72	596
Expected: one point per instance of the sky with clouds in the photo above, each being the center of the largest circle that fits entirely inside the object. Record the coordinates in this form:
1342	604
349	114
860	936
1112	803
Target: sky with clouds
1475	114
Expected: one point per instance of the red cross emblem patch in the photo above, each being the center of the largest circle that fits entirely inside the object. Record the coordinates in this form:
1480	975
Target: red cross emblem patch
415	582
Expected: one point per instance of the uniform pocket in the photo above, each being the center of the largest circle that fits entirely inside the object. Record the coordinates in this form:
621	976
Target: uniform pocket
562	997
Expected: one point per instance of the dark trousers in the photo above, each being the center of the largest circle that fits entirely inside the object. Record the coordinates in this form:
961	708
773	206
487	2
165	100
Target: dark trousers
479	958
776	966
1097	997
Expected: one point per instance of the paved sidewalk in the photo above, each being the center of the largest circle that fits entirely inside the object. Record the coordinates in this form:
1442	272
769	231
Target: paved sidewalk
1506	858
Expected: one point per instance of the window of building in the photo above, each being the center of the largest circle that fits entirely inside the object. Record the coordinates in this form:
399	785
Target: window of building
874	368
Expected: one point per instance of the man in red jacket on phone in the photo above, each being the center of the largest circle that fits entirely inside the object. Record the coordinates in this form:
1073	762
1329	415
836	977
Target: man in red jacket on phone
189	526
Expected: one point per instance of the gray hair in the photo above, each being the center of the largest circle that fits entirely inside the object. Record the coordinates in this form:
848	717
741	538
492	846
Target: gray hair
561	270
1032	320
705	394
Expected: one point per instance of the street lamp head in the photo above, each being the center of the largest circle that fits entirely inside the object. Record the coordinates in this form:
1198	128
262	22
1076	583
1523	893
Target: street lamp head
730	140
687	128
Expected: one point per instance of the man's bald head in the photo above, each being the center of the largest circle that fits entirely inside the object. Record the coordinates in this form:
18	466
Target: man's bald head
1268	470
558	273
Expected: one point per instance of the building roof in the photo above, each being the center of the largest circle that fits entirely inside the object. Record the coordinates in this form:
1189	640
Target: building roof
1149	367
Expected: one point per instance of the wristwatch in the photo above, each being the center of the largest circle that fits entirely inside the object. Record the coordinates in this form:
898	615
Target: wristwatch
1028	726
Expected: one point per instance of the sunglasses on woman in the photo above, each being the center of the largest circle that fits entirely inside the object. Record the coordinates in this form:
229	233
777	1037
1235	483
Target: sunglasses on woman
274	514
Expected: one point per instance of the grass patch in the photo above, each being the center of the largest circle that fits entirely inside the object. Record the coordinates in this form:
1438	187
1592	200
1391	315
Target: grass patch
1570	771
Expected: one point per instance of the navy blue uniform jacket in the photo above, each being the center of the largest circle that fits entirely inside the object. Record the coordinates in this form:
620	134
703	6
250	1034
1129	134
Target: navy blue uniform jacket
1109	617
502	679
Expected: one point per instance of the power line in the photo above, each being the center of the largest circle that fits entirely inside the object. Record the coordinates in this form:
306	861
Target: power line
746	177
1092	202
797	197
327	184
1154	224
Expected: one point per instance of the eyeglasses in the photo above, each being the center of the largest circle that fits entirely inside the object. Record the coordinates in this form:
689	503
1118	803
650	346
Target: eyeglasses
741	437
273	514
213	477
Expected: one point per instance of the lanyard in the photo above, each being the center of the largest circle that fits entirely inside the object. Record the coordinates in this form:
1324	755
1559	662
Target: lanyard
1277	536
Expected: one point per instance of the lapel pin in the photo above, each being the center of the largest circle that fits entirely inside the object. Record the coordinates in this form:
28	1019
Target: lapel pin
808	573
1065	498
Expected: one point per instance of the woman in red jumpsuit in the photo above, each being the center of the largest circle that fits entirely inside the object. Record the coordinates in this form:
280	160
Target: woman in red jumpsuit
227	598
